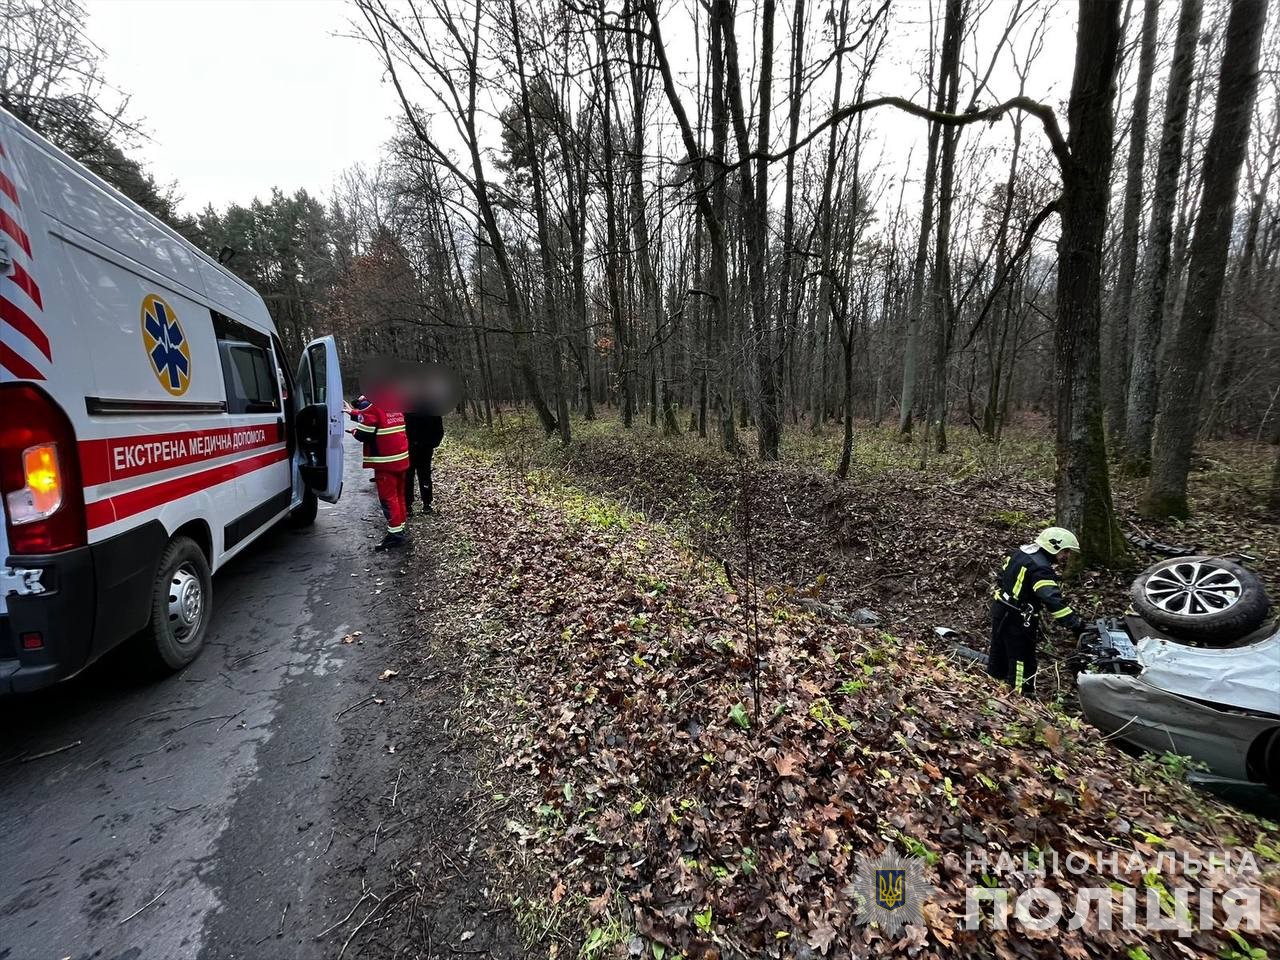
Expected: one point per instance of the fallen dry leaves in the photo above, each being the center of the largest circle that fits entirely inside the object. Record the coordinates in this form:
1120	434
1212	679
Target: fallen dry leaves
654	787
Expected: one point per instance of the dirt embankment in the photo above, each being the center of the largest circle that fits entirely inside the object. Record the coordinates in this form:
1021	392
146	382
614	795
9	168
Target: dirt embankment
688	762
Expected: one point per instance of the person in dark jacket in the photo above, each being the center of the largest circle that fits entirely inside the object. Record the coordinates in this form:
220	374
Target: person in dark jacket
1026	587
426	431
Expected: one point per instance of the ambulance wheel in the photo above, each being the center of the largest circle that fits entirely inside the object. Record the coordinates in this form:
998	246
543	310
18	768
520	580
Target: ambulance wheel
304	515
181	603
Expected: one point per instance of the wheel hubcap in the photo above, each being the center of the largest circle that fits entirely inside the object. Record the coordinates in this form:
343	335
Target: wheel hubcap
186	602
1192	589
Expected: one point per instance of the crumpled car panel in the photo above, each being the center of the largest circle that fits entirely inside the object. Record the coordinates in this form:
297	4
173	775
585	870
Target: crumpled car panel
1158	720
1239	678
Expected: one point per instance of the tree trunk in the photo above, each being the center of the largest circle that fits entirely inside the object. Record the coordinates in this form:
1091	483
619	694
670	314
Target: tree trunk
1143	375
1117	365
915	309
940	297
755	223
787	310
551	313
622	365
1083	487
1188	352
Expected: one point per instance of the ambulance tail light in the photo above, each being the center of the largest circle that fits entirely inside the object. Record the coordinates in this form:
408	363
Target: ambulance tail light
39	473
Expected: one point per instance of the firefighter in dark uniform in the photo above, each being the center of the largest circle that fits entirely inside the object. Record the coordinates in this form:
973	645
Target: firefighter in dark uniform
379	424
1027	586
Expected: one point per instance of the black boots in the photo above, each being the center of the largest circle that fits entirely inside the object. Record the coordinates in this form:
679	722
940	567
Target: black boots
392	541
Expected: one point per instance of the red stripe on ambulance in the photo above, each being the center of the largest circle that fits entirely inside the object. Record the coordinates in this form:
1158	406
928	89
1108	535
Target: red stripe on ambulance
27	284
19	316
10	226
8	189
17	366
13	315
102	512
118	458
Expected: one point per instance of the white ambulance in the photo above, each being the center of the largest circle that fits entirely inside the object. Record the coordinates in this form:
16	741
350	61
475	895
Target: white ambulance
150	429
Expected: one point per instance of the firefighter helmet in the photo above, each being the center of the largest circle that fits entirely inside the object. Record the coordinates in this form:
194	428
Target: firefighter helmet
1056	539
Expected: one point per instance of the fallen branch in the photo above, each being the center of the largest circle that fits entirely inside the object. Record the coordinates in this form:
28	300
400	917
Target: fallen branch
342	713
324	933
50	753
161	713
144	906
196	723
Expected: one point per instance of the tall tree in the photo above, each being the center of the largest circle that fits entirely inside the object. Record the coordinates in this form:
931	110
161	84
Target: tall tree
452	61
941	301
1188	353
1083	489
1143	377
1117	366
710	193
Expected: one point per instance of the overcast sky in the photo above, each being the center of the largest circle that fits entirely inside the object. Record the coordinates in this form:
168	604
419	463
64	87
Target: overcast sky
242	95
239	96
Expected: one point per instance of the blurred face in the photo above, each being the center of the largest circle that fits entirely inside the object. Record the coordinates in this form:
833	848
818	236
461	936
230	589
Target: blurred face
1066	555
431	386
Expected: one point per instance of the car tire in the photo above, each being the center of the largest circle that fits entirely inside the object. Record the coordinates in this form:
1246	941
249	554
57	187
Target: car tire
304	515
181	604
1202	599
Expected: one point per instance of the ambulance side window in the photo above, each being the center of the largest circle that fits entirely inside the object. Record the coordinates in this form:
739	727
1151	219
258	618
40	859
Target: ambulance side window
317	362
248	369
306	391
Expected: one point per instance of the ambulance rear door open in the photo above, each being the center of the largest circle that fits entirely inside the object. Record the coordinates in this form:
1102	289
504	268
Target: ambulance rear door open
319	419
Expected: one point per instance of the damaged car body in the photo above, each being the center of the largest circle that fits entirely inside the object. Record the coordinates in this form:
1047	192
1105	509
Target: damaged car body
1195	672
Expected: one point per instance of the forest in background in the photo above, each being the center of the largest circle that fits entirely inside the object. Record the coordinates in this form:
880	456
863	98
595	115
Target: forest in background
653	692
686	214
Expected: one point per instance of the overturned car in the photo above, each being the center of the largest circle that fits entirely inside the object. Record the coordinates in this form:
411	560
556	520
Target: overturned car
1194	671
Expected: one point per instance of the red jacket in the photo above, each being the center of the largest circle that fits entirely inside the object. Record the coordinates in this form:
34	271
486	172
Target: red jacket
386	447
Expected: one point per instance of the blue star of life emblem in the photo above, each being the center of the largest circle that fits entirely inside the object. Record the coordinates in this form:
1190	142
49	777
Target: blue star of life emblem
166	345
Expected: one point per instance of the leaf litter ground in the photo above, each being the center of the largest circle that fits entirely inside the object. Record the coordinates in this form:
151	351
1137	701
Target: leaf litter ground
640	804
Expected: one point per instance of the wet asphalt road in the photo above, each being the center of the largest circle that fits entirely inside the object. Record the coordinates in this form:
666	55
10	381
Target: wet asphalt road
196	816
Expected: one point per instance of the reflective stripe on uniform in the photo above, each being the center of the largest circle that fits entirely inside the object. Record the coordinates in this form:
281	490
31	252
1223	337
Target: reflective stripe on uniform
367	428
1059	614
386	430
399	529
1035	587
1017	584
1019	677
395	457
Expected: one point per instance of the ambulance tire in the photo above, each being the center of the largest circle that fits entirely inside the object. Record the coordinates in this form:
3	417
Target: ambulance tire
181	605
304	515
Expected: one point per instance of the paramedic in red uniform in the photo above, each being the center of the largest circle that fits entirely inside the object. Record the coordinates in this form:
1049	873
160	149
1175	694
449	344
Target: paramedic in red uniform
379	424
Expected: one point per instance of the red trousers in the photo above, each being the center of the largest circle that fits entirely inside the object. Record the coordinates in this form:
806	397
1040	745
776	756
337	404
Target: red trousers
390	485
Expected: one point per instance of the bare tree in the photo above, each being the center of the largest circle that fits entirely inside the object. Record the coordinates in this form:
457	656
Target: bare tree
1117	365
1083	489
1183	385
1143	383
449	68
